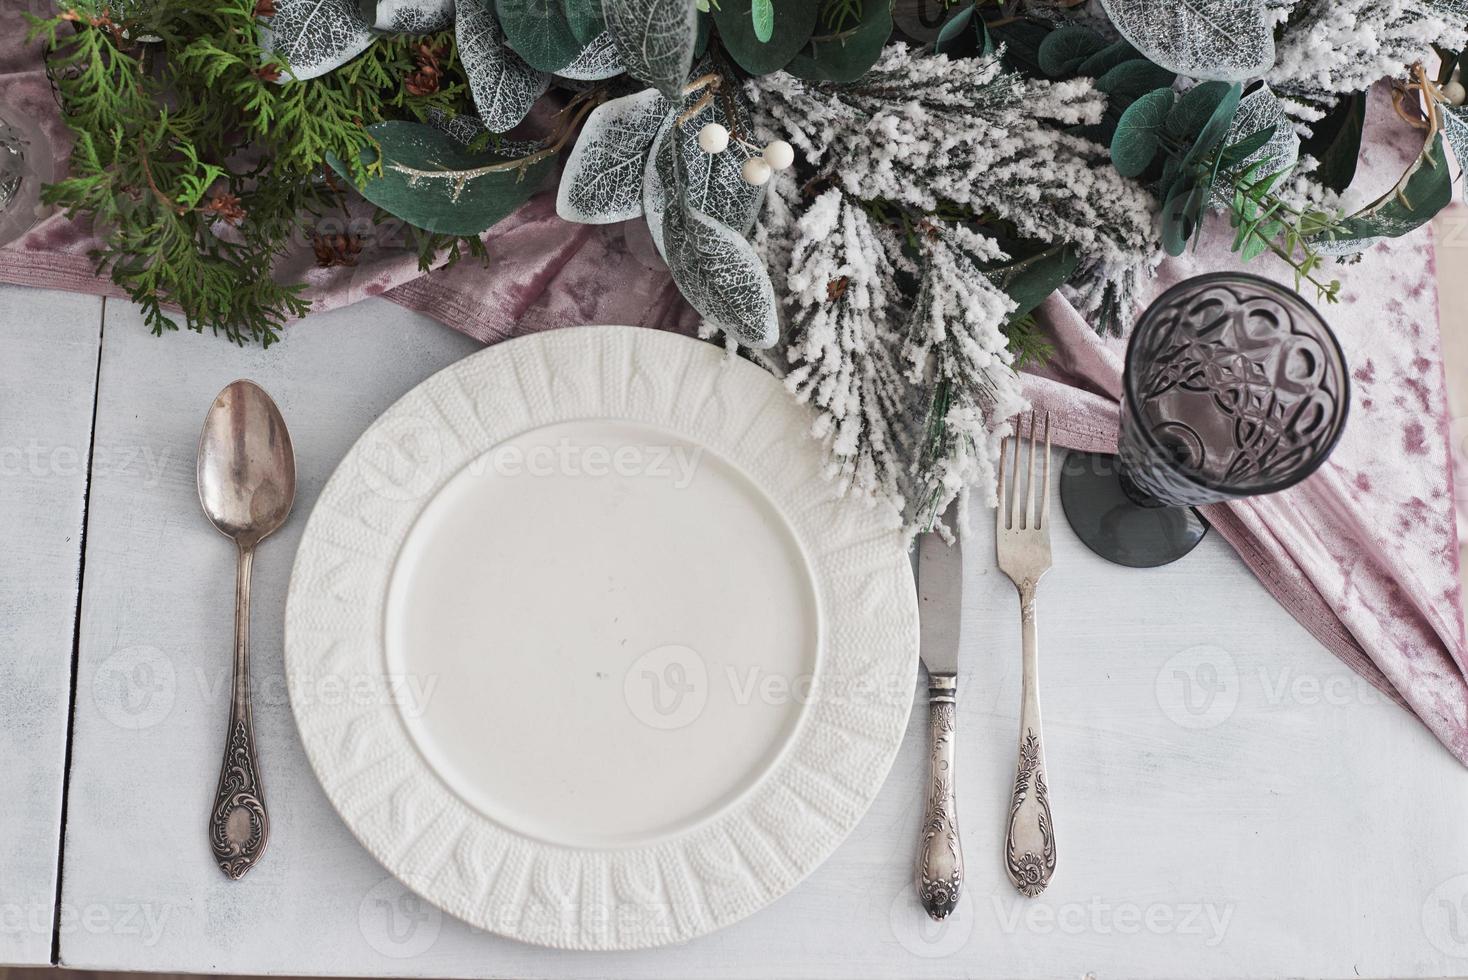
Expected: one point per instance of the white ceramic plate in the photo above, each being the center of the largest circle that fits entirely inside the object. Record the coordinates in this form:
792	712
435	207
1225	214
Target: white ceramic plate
585	650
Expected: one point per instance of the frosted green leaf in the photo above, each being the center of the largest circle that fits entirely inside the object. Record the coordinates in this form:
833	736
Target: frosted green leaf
603	179
503	86
1455	126
657	177
598	60
1257	111
709	183
314	36
720	275
654	39
408	16
1231	40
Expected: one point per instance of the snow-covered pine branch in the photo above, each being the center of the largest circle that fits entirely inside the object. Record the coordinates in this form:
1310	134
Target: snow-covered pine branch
841	296
1331	47
922	129
957	355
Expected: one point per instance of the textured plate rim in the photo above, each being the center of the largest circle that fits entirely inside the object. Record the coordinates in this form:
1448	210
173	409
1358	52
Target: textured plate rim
722	869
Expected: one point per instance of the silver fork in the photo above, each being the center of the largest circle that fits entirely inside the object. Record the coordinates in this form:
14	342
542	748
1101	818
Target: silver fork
1022	540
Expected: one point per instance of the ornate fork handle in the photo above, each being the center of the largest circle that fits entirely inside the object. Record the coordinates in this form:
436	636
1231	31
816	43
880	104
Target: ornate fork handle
238	826
940	858
1029	844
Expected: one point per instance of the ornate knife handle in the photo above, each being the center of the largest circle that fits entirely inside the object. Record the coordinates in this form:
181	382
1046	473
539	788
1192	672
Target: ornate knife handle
1029	844
940	857
238	826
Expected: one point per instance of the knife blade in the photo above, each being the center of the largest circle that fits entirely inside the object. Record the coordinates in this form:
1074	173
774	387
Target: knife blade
940	590
940	594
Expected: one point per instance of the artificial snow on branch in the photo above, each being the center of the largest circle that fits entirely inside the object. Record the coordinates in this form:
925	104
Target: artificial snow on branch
925	131
1335	46
957	353
841	296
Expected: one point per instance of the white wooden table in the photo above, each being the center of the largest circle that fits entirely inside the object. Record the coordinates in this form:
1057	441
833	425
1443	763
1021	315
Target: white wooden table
1229	799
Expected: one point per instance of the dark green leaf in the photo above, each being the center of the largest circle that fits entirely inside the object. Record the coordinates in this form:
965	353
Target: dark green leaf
1107	58
1062	52
702	34
1181	213
429	181
1129	80
846	56
586	19
1234	152
1424	190
1030	280
952	29
795	21
1216	127
539	32
1138	132
1336	141
1022	39
1194	108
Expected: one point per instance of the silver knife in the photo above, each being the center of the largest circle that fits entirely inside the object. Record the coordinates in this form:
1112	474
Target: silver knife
940	588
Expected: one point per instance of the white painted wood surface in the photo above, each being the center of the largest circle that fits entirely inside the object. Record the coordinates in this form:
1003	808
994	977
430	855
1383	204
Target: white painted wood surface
1229	799
48	374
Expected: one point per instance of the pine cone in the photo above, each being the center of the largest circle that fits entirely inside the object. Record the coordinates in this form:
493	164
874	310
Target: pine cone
226	207
336	250
426	80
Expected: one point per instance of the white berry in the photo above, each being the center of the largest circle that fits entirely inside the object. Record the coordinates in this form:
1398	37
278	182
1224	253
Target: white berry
779	154
755	171
713	138
1454	92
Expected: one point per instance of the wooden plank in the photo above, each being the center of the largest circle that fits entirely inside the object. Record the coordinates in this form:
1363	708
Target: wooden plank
1229	799
48	377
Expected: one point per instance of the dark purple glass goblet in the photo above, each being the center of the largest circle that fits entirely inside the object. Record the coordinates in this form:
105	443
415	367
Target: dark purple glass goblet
1234	386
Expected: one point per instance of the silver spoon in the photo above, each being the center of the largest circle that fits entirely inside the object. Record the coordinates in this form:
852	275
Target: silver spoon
247	483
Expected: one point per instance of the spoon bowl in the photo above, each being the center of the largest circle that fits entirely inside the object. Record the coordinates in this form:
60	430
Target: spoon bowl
247	465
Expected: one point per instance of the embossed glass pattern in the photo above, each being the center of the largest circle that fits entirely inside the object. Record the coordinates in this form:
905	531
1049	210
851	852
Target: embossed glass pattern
1234	386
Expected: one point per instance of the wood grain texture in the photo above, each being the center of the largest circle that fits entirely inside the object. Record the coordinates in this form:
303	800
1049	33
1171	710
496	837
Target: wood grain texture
48	375
1234	801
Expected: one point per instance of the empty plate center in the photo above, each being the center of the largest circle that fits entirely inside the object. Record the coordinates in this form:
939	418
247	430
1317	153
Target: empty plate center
618	689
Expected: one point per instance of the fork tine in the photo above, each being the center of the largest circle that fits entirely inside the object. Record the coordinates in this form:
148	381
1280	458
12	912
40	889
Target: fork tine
1044	518
1014	441
999	488
1030	519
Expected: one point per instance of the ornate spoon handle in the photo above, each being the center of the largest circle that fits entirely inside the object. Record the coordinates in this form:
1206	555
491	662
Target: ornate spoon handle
238	826
1029	844
940	857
